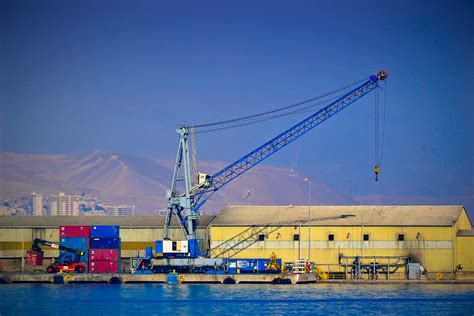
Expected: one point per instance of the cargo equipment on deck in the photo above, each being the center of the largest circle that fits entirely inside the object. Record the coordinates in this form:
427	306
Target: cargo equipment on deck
68	260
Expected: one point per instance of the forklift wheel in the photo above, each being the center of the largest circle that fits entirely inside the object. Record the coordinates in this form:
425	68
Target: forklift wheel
79	269
50	270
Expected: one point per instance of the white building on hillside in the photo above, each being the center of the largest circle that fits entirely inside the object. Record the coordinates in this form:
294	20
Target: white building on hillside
62	204
37	204
120	210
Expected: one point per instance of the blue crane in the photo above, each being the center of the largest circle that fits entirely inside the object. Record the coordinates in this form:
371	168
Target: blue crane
185	205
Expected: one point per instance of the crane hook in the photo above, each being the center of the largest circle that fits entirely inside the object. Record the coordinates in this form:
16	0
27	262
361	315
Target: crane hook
376	170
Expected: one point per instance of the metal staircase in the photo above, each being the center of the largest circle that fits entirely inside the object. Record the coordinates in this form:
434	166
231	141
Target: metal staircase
242	241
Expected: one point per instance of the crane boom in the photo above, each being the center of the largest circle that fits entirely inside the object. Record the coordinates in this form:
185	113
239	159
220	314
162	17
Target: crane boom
185	205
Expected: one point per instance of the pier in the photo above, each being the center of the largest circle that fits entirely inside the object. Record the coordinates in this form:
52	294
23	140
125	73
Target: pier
127	278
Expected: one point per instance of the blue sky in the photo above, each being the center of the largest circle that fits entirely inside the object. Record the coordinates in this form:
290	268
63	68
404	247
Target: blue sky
120	76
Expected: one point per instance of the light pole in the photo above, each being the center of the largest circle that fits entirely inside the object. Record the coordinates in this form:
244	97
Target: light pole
308	180
248	194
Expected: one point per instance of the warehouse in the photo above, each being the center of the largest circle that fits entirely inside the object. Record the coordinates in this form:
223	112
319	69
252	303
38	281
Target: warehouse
440	238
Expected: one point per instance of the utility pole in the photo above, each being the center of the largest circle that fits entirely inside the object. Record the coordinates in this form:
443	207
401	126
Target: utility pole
308	180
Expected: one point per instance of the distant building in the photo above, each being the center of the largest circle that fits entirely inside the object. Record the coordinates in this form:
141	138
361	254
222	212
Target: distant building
120	210
62	204
4	210
93	213
36	204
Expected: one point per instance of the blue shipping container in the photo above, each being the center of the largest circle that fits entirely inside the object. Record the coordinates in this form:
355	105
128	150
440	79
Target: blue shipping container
74	242
105	243
84	258
105	231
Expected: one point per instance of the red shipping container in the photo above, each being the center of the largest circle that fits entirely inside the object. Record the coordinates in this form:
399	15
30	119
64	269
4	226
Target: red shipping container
103	266
104	254
74	231
34	258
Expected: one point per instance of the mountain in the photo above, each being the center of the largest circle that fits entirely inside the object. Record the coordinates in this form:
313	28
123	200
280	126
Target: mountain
127	179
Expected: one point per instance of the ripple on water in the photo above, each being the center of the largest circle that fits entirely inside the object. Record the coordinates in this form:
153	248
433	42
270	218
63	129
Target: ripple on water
80	299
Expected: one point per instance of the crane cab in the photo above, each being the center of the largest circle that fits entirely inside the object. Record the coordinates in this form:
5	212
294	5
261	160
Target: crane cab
204	179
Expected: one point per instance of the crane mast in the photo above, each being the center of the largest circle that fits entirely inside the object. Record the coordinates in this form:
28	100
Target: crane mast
185	205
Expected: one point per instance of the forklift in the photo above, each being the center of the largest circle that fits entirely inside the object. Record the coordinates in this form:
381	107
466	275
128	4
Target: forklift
68	260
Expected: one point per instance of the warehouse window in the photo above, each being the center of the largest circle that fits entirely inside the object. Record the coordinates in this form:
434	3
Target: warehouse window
296	237
261	237
331	237
401	237
366	237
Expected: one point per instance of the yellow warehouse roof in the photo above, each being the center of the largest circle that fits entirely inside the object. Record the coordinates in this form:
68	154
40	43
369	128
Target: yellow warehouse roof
324	215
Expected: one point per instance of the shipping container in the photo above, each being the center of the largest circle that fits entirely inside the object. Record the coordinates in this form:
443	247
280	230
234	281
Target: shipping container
103	267
74	231
74	242
104	254
105	231
105	243
34	258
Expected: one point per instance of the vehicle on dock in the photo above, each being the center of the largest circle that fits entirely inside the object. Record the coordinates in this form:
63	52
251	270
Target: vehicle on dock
68	260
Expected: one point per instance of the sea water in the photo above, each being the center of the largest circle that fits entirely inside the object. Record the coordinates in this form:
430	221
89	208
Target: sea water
240	299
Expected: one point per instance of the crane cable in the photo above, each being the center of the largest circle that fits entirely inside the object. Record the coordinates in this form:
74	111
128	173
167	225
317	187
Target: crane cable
378	152
306	109
254	116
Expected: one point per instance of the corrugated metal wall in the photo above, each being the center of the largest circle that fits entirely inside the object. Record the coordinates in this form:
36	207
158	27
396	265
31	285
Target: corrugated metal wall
430	246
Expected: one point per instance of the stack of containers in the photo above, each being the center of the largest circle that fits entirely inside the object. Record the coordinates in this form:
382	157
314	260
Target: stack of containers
76	237
34	258
104	256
